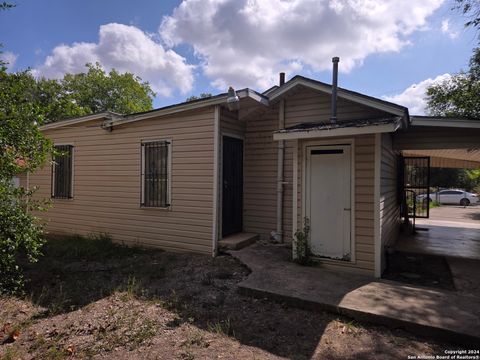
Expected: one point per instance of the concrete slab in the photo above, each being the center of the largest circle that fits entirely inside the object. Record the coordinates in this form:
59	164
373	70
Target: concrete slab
425	311
237	241
466	275
452	231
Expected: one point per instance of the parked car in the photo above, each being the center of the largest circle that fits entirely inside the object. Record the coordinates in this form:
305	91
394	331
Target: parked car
451	196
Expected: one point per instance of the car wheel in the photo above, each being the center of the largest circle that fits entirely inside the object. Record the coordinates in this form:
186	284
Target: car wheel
464	202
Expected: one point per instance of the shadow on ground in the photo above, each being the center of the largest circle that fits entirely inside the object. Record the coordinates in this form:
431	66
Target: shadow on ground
419	269
202	291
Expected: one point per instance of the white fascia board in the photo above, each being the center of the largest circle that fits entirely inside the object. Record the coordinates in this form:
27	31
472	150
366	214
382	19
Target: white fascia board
253	95
191	106
77	120
340	93
325	133
439	122
171	110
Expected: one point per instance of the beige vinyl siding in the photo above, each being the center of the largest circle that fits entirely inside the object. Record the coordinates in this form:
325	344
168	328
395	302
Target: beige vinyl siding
107	183
261	174
230	125
310	106
389	208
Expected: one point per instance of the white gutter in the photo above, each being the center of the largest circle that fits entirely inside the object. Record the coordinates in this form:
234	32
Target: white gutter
62	123
323	133
216	160
280	183
442	122
214	101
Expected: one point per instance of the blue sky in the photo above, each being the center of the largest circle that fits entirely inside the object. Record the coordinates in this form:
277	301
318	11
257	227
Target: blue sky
388	48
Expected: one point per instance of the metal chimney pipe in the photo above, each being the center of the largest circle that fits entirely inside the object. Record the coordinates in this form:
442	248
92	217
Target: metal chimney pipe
335	61
282	78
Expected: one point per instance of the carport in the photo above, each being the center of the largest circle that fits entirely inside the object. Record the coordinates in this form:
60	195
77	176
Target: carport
449	232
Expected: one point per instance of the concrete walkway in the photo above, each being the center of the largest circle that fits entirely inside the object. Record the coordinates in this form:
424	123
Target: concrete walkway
424	311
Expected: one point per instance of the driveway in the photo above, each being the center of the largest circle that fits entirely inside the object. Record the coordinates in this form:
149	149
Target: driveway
452	232
453	216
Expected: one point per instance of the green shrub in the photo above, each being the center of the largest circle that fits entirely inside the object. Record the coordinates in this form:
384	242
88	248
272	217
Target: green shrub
302	247
21	234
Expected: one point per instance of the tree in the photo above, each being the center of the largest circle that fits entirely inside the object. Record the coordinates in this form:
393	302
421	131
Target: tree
96	91
459	95
470	8
22	148
5	6
202	96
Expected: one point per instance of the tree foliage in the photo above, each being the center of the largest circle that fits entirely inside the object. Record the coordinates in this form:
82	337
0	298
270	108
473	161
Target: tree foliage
5	6
471	8
97	91
454	178
22	148
459	95
201	96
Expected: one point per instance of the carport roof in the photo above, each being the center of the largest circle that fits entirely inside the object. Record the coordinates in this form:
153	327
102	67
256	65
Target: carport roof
452	158
467	157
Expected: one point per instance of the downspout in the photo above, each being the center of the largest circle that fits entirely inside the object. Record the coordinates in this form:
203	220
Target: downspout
278	237
216	159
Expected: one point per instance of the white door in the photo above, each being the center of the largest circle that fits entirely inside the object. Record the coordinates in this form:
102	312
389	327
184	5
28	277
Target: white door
328	200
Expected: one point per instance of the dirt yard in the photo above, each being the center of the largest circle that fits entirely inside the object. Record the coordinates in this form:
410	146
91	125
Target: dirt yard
92	299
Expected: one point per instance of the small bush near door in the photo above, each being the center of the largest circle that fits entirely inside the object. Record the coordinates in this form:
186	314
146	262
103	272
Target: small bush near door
302	248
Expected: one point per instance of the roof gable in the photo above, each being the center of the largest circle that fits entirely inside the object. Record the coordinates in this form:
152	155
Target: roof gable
353	96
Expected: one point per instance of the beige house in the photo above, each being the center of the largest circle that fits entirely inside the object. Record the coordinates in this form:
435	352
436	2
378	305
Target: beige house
188	176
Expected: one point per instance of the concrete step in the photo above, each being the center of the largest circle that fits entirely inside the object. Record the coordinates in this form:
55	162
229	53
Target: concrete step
237	241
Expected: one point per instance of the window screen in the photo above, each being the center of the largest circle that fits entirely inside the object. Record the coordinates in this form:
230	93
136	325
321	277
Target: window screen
155	177
62	172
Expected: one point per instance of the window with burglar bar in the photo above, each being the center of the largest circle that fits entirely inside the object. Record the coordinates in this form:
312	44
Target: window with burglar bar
62	172
155	173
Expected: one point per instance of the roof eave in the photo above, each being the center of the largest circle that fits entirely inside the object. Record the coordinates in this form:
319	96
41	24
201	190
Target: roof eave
73	121
327	133
438	121
218	100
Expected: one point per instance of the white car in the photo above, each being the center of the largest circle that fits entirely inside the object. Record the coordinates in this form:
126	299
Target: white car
452	196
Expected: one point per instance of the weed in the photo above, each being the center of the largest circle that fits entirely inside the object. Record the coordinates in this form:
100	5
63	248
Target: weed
176	322
144	332
222	327
187	355
48	349
127	328
173	302
301	245
11	354
351	327
194	338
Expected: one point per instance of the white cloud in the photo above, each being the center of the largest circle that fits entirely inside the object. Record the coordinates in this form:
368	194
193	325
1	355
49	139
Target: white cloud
10	58
414	96
447	29
125	48
246	42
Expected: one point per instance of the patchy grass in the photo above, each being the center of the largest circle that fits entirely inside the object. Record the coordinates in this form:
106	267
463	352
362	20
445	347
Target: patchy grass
94	298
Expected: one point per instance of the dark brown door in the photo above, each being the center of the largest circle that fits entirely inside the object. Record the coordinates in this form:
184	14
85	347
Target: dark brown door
232	195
